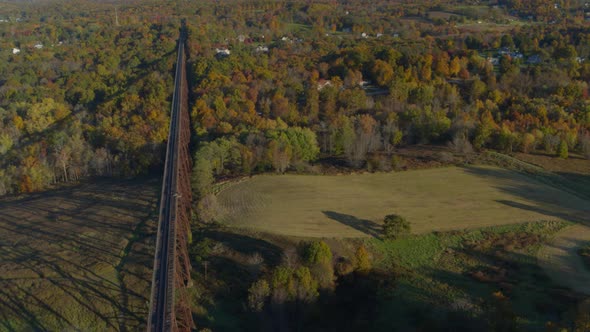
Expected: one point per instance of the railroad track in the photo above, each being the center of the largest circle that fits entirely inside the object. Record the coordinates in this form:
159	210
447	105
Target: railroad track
163	314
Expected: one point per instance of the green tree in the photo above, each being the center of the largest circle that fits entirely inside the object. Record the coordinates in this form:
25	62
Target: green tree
318	256
562	150
202	176
395	226
317	252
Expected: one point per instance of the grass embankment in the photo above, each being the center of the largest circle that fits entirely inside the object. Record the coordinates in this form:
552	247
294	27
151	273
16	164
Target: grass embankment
77	258
460	271
350	206
457	280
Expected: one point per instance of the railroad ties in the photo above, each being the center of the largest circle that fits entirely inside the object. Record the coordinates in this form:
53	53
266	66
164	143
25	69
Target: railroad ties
169	302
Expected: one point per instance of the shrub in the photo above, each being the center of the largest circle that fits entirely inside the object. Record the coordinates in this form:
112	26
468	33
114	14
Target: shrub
257	295
318	256
461	144
395	226
317	252
306	286
562	150
362	259
397	163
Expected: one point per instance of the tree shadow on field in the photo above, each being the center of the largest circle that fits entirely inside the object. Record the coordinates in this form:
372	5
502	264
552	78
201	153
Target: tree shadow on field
547	194
577	217
362	225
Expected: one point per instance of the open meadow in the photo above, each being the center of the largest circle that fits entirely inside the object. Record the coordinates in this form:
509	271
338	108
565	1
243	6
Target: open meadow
431	200
77	258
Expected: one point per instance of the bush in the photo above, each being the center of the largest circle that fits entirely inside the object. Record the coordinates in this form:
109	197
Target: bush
395	226
318	256
562	150
257	295
362	259
461	144
317	252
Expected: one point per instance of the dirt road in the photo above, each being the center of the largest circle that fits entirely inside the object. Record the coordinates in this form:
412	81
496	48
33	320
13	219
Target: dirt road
561	261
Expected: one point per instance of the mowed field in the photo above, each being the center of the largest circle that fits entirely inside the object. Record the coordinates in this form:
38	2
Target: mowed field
431	200
79	258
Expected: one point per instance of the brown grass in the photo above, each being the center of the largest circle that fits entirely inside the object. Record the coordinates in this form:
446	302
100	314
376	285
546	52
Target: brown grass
354	205
77	258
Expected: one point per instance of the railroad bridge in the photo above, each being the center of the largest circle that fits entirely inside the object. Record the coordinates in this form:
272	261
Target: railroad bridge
169	302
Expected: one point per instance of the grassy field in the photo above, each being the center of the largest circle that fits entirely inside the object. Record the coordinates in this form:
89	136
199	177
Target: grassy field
77	258
432	200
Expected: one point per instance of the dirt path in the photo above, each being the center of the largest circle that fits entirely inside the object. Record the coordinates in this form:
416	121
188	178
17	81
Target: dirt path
561	261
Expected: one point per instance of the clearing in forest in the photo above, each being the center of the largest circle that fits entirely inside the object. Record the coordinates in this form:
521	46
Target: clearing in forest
431	200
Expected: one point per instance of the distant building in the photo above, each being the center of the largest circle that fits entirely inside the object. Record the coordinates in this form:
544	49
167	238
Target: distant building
38	46
364	84
222	52
504	51
15	50
262	48
323	83
534	59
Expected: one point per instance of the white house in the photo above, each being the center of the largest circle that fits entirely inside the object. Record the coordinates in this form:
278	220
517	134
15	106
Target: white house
323	83
222	51
262	48
38	46
15	50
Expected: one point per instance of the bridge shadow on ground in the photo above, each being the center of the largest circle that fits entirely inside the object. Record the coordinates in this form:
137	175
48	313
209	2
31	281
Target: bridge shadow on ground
77	258
368	227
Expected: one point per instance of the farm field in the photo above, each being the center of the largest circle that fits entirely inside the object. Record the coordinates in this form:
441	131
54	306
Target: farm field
349	206
77	258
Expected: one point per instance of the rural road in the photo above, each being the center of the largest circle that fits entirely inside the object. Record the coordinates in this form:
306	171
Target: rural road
561	261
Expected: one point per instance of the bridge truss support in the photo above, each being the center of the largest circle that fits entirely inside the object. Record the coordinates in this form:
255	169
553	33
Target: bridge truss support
170	306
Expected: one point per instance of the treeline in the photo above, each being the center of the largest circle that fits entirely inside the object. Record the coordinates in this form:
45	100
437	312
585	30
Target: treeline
84	97
273	149
522	90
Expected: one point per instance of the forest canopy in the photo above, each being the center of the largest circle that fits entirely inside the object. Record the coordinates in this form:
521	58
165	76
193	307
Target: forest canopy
86	86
